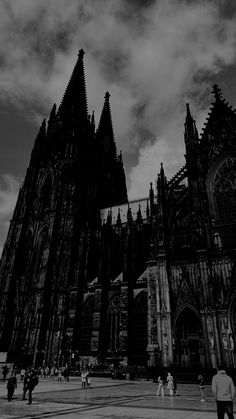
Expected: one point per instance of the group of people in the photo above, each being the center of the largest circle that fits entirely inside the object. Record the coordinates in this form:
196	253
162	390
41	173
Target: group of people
171	385
85	379
30	380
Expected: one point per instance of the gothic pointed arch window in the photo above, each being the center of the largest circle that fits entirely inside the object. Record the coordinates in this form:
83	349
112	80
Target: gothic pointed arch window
222	198
113	324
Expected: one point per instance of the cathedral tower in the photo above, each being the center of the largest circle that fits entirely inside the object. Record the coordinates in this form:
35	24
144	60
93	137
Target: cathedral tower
52	236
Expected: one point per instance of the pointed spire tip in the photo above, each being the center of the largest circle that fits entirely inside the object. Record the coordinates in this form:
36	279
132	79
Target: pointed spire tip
81	53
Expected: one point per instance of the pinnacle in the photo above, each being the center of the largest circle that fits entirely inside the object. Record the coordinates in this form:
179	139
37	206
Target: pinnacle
217	92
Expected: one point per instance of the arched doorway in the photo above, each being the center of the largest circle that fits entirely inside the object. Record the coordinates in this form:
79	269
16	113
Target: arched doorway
188	333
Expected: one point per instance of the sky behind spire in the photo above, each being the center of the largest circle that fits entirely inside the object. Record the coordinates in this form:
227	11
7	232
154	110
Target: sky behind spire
152	56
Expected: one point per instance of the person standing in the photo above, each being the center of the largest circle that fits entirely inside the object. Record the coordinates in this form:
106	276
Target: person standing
170	383
22	374
88	381
224	391
11	386
59	376
201	386
83	378
160	389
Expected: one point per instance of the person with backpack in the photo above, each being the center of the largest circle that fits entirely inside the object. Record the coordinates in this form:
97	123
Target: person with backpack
30	381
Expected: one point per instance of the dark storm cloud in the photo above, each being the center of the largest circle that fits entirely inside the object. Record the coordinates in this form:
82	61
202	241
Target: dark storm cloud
152	56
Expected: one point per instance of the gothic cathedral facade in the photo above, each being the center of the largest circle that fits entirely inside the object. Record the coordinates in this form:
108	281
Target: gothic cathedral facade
87	274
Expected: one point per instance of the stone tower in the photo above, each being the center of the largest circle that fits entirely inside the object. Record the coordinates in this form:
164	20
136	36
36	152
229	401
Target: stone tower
48	257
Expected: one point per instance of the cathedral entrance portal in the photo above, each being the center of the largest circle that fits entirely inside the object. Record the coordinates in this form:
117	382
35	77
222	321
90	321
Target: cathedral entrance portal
188	330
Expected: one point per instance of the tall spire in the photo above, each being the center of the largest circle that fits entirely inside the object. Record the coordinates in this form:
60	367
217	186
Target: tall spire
191	133
105	133
74	102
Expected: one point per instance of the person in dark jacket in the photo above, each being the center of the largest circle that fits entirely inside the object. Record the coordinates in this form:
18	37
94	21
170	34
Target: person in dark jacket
11	386
30	381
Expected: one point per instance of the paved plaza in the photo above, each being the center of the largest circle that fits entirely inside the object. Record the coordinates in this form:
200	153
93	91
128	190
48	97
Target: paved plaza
107	398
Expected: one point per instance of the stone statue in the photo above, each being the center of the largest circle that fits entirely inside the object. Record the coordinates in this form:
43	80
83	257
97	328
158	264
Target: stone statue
211	340
225	342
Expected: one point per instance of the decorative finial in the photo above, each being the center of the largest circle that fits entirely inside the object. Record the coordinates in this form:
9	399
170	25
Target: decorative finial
107	95
81	53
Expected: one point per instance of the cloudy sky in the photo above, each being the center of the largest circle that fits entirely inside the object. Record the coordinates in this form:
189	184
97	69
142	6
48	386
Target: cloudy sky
153	56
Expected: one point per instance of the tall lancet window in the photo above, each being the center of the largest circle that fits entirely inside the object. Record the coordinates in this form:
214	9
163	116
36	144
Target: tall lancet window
222	196
114	324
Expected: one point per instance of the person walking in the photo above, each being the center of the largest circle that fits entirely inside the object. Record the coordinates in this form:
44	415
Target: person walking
224	391
30	381
170	383
11	386
160	389
201	387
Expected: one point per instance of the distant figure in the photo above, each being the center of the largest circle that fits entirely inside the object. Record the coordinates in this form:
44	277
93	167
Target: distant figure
88	381
160	389
59	376
201	386
170	383
22	374
11	386
5	371
224	391
83	378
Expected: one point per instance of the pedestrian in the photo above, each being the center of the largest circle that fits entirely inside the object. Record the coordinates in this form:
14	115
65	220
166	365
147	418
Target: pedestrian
224	391
170	383
59	376
160	389
30	381
5	371
22	374
83	378
88	381
11	386
201	386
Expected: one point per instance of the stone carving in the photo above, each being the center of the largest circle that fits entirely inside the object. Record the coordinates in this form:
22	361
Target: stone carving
211	340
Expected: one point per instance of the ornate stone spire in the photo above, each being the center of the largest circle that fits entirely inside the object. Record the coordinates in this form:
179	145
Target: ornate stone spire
74	102
105	133
191	133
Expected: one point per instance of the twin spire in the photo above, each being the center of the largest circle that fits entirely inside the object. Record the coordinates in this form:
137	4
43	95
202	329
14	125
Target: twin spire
74	103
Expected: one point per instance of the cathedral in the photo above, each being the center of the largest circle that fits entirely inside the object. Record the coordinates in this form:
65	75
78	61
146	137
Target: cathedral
88	275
